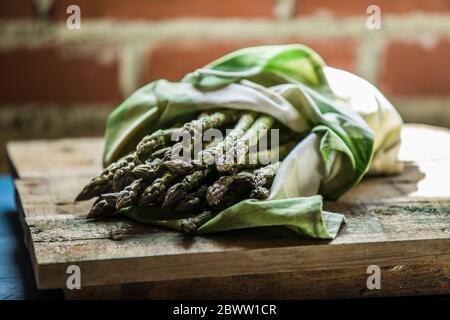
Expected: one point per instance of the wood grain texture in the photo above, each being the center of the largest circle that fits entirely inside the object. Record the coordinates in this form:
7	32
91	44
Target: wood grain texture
348	282
401	223
58	158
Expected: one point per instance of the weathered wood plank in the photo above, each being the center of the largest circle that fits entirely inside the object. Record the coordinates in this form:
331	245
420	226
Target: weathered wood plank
426	180
348	282
121	244
56	158
364	223
397	221
297	259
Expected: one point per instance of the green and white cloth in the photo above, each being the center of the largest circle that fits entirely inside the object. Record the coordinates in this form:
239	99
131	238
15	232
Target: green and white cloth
349	129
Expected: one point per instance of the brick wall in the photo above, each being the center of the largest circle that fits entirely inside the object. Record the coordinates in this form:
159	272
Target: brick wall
50	74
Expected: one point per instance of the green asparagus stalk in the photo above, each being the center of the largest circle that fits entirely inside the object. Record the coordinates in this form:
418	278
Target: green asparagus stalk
260	177
264	156
179	190
233	188
161	153
97	186
190	225
123	176
157	140
191	182
101	209
148	170
157	191
130	194
104	182
153	193
260	193
214	120
208	155
110	198
242	146
178	166
216	192
137	180
197	127
193	201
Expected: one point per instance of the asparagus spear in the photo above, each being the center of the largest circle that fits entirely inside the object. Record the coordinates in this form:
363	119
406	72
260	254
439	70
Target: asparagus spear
161	153
193	201
260	193
214	120
263	156
148	170
130	194
123	176
157	189
153	142
110	198
190	225
260	177
216	192
191	182
163	161
179	190
101	209
178	166
97	186
104	182
241	185
241	147
198	126
208	155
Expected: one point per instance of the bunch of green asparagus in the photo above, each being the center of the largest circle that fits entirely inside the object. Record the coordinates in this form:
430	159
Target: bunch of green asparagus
224	171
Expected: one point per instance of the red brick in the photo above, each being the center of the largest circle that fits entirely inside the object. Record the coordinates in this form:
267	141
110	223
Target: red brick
159	9
12	9
359	7
412	69
172	60
58	76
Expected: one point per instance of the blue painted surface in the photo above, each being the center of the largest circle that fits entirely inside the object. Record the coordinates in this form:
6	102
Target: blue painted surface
16	275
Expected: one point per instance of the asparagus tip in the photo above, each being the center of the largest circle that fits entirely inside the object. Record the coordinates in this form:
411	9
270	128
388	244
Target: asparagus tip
178	166
100	209
191	225
80	197
174	195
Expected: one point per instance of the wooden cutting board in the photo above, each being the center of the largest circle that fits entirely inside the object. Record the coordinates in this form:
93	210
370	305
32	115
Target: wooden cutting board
400	223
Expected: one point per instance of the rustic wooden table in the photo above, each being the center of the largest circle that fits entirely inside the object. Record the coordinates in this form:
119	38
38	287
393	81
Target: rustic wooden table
400	223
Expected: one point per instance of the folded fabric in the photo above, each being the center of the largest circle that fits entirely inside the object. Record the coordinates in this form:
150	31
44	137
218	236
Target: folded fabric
347	125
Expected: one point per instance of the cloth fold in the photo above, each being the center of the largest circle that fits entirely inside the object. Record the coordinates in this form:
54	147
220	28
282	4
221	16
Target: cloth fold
345	121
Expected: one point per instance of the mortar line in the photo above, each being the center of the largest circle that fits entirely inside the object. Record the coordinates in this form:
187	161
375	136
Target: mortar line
26	33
